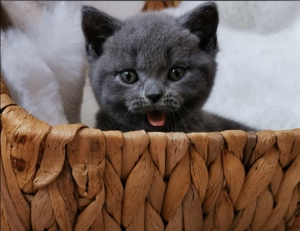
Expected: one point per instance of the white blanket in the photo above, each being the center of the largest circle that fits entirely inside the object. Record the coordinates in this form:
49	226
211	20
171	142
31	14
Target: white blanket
43	63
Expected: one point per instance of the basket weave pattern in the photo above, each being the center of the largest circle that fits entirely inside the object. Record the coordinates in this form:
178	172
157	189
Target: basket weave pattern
159	5
71	177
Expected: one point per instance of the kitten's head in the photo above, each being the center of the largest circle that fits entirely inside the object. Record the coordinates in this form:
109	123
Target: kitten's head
152	68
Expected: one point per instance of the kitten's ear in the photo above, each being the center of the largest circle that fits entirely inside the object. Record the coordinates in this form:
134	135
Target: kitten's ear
203	22
97	26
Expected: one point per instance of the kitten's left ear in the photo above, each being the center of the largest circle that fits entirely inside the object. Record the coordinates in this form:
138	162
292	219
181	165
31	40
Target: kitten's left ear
97	26
203	22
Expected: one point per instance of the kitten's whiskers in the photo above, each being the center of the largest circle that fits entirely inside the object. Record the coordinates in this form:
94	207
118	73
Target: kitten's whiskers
182	120
119	125
195	117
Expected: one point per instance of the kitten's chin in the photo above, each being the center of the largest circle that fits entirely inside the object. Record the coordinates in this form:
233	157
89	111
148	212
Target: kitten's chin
156	118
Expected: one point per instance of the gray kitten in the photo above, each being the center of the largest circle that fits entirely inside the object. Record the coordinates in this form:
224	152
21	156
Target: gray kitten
154	71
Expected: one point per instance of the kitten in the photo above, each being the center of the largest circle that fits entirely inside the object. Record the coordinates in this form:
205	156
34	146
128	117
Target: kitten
154	71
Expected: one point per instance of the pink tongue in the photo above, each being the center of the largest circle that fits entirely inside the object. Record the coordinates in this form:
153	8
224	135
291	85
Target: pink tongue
156	118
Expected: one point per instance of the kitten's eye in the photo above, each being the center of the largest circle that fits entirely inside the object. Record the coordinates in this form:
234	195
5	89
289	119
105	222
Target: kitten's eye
176	73
129	76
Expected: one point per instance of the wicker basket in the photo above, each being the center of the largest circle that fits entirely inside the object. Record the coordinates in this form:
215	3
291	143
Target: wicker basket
71	177
159	5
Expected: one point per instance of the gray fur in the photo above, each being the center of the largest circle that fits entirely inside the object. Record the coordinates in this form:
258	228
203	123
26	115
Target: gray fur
151	44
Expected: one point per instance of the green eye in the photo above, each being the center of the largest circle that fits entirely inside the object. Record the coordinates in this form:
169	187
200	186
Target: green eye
129	77
176	73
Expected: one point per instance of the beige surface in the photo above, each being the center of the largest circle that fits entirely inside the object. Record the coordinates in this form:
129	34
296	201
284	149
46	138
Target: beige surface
89	106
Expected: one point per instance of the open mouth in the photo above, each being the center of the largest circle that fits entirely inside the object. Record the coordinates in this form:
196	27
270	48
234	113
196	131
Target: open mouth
156	118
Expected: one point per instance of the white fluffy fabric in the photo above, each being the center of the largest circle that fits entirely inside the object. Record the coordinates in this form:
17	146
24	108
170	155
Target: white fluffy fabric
25	77
44	66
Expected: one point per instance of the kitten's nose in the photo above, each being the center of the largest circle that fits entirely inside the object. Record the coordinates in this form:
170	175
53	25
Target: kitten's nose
154	90
154	97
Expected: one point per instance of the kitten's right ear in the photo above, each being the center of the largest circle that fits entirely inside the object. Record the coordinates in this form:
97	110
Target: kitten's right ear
97	26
